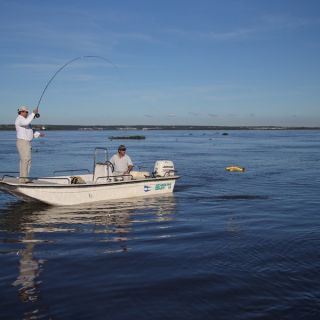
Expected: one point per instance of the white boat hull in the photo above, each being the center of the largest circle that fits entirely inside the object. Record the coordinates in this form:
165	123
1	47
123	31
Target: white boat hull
74	194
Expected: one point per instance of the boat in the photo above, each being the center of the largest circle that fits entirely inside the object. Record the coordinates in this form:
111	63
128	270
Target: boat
100	185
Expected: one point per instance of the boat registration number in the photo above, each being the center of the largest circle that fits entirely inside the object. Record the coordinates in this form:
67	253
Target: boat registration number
161	186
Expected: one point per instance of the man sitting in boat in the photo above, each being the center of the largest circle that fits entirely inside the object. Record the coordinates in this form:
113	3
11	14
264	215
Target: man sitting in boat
121	162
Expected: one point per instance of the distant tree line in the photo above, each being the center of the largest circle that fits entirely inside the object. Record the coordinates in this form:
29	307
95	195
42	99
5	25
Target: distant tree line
9	127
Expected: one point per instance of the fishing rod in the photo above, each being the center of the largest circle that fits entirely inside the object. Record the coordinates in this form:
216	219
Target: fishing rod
37	115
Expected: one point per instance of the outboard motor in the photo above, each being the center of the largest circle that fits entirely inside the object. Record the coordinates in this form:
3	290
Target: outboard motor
163	168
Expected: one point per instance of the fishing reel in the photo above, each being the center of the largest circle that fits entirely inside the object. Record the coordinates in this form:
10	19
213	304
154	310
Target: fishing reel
37	115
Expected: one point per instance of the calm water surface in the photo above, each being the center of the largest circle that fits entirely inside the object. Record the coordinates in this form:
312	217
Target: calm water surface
224	246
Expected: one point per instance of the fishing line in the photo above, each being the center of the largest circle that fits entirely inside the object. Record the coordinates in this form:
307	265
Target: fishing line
61	68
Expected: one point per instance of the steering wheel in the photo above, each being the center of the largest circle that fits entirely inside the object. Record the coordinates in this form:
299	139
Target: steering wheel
109	164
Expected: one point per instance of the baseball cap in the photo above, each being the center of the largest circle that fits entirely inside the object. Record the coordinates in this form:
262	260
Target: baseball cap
23	108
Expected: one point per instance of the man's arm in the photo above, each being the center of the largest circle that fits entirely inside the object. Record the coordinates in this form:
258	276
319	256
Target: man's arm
130	164
22	122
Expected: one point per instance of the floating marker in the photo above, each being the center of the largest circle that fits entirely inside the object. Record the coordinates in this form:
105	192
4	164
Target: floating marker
235	169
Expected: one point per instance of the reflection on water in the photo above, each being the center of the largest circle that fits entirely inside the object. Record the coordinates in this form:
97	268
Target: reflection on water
112	224
29	269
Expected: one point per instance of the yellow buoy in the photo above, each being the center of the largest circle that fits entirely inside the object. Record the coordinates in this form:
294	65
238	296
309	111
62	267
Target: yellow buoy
235	169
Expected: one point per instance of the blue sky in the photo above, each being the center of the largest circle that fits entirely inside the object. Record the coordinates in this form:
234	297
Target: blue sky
205	62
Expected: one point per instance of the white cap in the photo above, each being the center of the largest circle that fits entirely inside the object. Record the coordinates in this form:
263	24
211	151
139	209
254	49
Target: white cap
23	108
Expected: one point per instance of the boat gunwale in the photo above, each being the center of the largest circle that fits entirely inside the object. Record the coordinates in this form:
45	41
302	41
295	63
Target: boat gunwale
84	185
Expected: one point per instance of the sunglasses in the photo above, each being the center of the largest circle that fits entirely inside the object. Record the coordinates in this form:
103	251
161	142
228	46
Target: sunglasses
25	111
122	149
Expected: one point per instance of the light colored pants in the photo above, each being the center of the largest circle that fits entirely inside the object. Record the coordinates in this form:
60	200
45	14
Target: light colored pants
24	149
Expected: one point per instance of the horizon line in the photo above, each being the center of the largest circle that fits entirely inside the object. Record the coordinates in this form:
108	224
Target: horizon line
160	126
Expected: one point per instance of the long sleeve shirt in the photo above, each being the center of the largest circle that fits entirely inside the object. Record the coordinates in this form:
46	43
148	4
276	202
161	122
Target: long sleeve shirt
23	127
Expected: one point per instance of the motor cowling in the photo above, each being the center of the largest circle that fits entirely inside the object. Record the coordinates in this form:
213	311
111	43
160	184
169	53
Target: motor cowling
163	168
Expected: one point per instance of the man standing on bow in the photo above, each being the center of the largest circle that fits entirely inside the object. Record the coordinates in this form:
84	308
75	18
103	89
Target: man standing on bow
25	135
121	162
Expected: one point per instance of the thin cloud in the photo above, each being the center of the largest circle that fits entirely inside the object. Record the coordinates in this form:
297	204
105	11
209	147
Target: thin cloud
237	34
267	23
287	22
34	66
135	36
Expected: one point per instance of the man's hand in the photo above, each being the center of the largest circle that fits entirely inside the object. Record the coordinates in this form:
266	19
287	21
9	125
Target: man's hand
38	134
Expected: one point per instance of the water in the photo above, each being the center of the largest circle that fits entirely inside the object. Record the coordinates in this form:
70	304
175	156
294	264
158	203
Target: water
224	246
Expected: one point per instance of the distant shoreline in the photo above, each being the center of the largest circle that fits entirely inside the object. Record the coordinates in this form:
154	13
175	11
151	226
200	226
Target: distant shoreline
9	127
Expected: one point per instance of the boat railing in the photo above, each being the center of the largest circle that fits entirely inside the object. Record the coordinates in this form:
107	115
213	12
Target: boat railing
8	174
103	177
52	178
71	170
95	155
35	178
114	178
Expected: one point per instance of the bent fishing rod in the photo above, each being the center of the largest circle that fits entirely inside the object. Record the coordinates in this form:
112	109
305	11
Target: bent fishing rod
37	115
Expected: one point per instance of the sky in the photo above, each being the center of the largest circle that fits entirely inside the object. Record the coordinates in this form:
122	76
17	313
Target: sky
168	62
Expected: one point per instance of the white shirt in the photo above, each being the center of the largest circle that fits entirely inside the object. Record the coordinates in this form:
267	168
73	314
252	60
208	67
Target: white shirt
121	164
23	127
